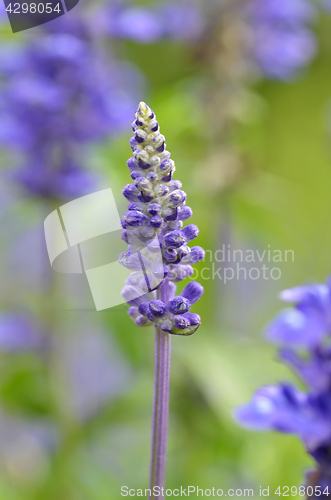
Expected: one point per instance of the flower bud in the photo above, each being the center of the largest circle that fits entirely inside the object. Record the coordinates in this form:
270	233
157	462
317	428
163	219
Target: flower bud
180	322
131	192
178	305
192	292
134	218
195	255
154	209
142	159
184	213
157	308
194	319
141	321
174	239
156	221
190	232
175	198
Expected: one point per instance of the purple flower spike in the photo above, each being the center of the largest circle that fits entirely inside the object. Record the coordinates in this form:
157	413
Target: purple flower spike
155	216
151	293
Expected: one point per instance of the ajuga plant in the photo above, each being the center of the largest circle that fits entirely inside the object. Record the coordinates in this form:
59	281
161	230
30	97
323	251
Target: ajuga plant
158	256
303	334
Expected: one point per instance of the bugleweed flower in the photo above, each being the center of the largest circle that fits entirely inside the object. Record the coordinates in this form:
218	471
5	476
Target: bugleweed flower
159	256
155	219
303	333
283	42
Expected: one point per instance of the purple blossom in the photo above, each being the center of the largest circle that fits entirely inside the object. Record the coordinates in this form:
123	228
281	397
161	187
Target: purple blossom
285	409
154	220
303	334
20	332
175	20
286	12
182	20
135	23
58	94
94	372
283	43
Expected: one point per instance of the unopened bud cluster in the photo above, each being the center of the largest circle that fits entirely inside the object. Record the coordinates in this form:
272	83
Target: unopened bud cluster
155	218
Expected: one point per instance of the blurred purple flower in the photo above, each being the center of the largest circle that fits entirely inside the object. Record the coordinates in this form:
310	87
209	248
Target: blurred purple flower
283	44
303	334
135	23
176	20
19	332
94	372
285	409
182	20
69	182
58	93
286	12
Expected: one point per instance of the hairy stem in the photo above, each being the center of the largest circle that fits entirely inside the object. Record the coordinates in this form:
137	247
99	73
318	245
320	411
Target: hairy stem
161	404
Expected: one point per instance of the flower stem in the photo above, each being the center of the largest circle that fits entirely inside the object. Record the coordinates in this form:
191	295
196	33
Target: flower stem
161	404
